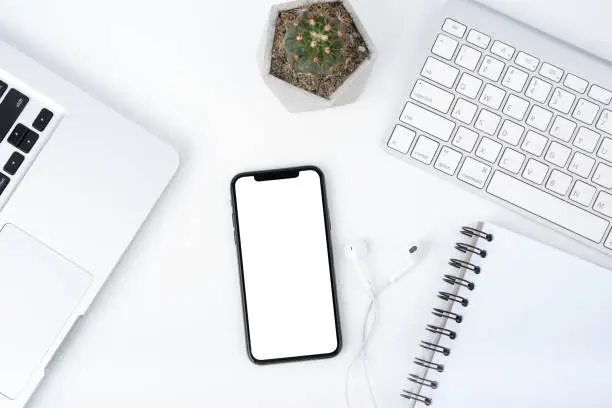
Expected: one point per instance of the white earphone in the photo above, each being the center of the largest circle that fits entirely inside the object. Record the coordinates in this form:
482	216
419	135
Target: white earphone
357	252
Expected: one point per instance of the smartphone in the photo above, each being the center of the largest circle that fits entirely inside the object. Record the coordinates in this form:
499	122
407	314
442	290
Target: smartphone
282	233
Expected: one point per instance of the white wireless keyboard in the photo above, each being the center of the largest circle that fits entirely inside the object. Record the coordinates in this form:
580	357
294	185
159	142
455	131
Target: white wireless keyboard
516	116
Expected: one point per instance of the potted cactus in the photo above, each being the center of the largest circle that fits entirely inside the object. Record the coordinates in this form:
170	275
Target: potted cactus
315	54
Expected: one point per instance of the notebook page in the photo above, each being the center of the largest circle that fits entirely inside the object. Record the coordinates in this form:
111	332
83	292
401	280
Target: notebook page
536	333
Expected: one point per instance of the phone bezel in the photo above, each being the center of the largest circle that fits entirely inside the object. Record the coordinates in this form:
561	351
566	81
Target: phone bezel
276	174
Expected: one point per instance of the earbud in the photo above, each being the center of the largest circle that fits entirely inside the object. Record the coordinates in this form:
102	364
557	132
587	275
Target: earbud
357	252
357	249
417	253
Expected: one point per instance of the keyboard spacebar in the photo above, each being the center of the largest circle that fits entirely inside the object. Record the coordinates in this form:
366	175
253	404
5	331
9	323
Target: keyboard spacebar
547	206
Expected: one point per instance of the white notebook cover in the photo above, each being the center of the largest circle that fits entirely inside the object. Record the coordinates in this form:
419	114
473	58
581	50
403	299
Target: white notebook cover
537	331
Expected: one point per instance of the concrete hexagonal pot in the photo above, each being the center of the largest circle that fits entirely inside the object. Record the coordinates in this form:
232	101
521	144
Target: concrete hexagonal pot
296	99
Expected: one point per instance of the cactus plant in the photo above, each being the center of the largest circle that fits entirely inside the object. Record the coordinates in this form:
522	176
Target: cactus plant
319	47
315	42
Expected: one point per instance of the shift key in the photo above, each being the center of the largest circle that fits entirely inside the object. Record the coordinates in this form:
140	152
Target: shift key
427	121
10	108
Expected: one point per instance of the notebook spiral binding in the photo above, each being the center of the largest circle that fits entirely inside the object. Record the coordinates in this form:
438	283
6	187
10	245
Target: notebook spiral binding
440	331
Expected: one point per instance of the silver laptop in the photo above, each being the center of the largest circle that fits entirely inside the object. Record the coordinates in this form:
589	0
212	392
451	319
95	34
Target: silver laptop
77	181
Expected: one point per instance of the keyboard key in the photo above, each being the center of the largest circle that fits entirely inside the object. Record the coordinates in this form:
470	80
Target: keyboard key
488	150
582	193
512	160
538	90
465	139
17	135
558	154
608	241
464	111
491	68
487	122
581	165
444	47
515	79
605	122
448	160
13	163
562	128
478	39
510	132
575	83
535	171
527	61
28	142
603	204
547	206
516	107
432	96
603	175
42	120
586	139
474	172
454	28
10	108
401	139
605	150
503	50
551	72
534	143
585	111
562	100
3	88
427	121
559	182
539	118
469	85
492	96
425	149
4	182
468	57
440	72
600	94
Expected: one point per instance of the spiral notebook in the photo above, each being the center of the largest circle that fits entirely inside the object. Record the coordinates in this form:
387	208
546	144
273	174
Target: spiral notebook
518	324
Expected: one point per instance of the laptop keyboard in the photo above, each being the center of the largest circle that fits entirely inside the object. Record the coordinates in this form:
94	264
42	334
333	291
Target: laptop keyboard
24	125
507	123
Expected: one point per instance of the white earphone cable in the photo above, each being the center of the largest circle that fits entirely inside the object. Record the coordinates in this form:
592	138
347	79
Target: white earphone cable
368	326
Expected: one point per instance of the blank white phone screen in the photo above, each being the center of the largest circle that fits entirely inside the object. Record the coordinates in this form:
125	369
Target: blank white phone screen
285	262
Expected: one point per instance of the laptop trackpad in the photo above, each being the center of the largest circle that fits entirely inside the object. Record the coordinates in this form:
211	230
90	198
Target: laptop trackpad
39	290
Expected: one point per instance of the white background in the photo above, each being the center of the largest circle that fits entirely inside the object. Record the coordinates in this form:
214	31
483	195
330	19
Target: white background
167	329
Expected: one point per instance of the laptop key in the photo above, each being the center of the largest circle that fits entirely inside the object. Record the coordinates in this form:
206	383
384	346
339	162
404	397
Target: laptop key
3	88
4	181
17	134
10	108
13	163
42	120
28	142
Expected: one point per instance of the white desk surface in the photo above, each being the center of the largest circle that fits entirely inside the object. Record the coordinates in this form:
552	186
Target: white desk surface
167	329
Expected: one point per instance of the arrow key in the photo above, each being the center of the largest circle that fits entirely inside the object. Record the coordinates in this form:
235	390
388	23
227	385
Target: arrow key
17	134
13	163
28	142
42	120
